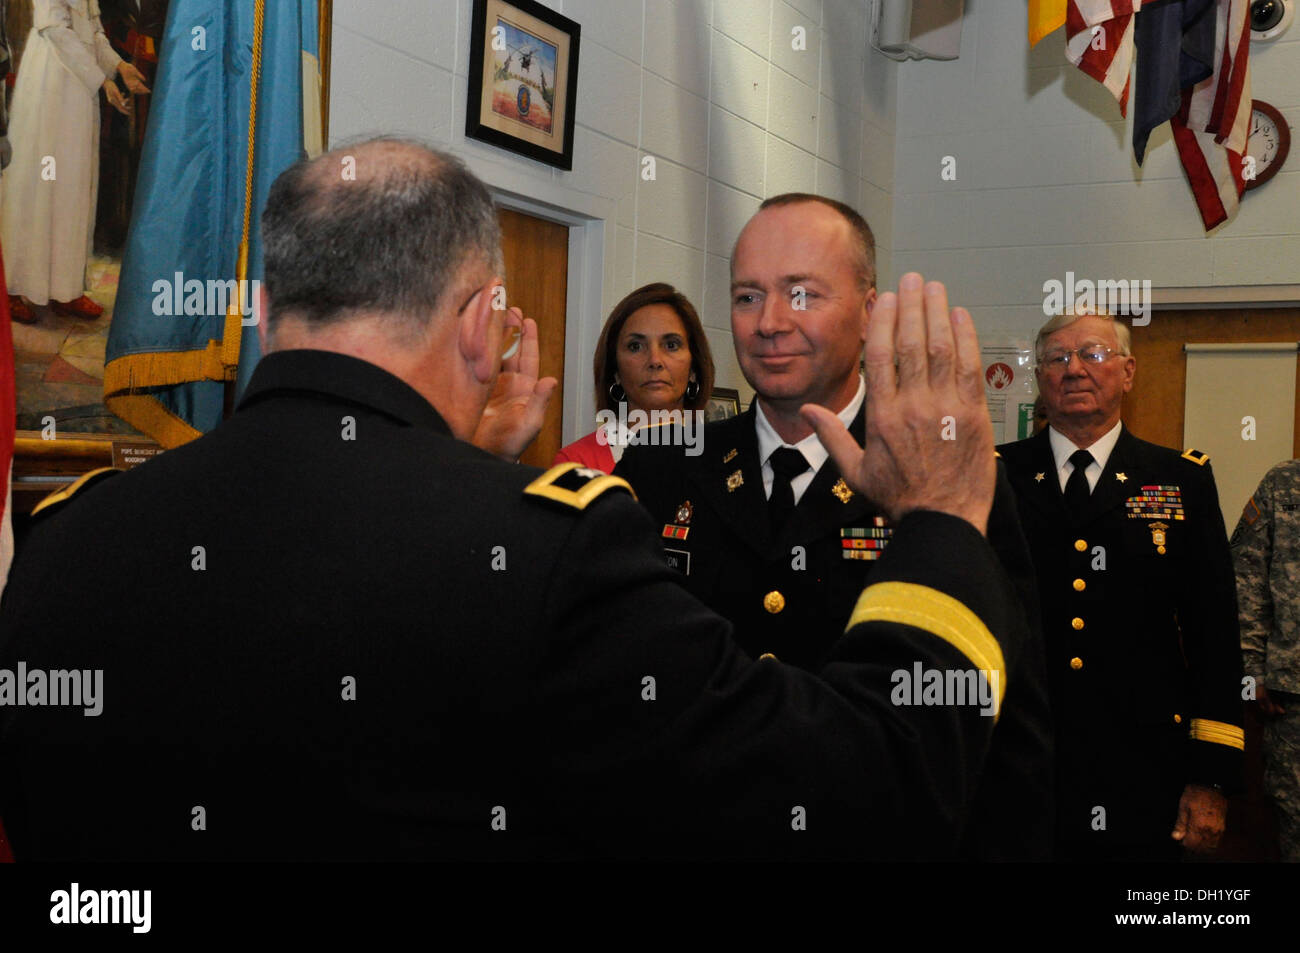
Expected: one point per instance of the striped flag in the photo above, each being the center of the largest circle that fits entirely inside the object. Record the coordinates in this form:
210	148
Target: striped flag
1099	40
1211	128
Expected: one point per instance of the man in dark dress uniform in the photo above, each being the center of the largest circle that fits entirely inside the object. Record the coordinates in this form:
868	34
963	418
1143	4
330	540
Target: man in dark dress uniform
1139	610
762	523
335	628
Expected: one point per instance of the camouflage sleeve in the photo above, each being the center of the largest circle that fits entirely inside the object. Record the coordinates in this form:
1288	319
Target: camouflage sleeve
1252	551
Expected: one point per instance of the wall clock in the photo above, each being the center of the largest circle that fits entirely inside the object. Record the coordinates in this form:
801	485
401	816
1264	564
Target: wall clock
1269	142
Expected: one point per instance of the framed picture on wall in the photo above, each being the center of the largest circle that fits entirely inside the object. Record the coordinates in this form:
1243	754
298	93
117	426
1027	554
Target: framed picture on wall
523	79
724	402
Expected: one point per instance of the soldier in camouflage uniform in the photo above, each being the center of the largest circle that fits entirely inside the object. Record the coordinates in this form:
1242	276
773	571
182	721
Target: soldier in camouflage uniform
1266	550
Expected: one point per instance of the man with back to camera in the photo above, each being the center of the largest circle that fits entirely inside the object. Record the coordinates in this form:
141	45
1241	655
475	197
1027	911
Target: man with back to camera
1139	610
763	525
334	614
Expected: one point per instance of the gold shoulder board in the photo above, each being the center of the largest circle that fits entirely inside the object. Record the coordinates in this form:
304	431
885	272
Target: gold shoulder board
1200	459
575	485
69	491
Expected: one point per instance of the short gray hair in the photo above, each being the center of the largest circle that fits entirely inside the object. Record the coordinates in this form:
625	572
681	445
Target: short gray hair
1068	317
389	238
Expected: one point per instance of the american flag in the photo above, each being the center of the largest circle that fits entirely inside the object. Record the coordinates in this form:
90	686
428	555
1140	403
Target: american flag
1211	128
1099	40
1214	122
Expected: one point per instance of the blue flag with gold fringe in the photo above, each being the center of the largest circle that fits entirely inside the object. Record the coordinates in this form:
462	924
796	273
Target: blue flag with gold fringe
183	323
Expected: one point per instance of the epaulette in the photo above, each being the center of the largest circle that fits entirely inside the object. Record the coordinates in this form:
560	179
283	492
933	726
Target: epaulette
59	497
575	486
1198	458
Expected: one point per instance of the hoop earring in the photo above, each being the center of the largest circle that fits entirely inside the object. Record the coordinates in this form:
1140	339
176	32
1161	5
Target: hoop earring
620	396
692	395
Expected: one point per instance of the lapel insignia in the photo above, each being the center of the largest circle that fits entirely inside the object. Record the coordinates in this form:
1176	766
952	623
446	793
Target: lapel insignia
866	542
730	455
1121	477
685	512
675	532
735	481
842	491
1158	536
1038	477
1156	501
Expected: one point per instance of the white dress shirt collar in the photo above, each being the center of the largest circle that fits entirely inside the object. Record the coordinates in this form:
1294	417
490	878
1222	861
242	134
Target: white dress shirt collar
1063	447
811	448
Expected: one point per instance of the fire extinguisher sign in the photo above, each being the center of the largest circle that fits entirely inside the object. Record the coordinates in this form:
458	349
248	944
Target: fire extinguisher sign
1009	388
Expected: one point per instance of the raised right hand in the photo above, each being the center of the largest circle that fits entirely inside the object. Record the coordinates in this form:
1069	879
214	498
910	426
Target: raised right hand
929	439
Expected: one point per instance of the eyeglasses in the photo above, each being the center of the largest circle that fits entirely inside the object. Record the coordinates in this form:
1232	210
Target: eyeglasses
1094	354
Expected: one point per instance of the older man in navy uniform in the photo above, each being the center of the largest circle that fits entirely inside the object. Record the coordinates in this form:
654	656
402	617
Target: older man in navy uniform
762	523
1139	610
333	628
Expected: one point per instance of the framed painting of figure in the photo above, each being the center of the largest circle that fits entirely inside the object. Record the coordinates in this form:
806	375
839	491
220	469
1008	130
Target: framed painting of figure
84	77
523	79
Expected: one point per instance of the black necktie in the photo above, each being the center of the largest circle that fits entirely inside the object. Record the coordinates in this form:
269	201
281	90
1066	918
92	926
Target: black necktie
787	463
1076	487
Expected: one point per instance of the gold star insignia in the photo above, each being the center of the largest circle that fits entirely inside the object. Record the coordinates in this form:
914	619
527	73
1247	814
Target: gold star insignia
1038	477
1121	477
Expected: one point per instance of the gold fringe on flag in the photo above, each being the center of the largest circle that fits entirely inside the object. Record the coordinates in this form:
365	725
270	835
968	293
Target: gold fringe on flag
126	377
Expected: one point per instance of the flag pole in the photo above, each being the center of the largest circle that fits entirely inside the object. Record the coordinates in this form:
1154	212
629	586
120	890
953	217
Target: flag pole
230	339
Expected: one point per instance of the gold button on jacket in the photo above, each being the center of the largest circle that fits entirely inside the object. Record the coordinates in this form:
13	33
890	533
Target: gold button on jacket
1076	663
1077	623
774	602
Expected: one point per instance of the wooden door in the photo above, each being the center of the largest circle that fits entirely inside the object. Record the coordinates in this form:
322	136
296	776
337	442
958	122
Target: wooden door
537	277
1154	409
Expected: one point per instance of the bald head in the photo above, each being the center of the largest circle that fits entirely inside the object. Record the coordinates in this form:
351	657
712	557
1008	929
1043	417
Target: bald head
380	228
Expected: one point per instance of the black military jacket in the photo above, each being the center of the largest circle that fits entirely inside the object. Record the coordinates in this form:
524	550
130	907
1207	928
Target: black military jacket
792	596
1140	620
329	629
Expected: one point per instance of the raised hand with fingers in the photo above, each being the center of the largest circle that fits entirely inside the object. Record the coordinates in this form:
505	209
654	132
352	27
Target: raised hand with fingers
928	439
517	407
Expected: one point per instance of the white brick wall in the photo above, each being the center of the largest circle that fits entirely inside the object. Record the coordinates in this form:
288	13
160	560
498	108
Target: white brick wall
711	88
1046	180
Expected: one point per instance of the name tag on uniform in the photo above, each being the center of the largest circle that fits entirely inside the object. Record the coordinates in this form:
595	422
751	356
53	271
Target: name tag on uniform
679	559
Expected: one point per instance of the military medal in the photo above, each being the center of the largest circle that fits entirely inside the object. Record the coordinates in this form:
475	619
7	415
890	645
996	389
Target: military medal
1158	536
866	542
842	491
1121	477
680	529
1156	501
1038	477
735	481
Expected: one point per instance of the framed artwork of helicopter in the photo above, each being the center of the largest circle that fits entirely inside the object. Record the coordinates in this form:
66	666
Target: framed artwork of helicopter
523	79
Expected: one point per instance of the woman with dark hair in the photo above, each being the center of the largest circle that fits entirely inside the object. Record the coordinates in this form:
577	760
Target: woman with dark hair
652	356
